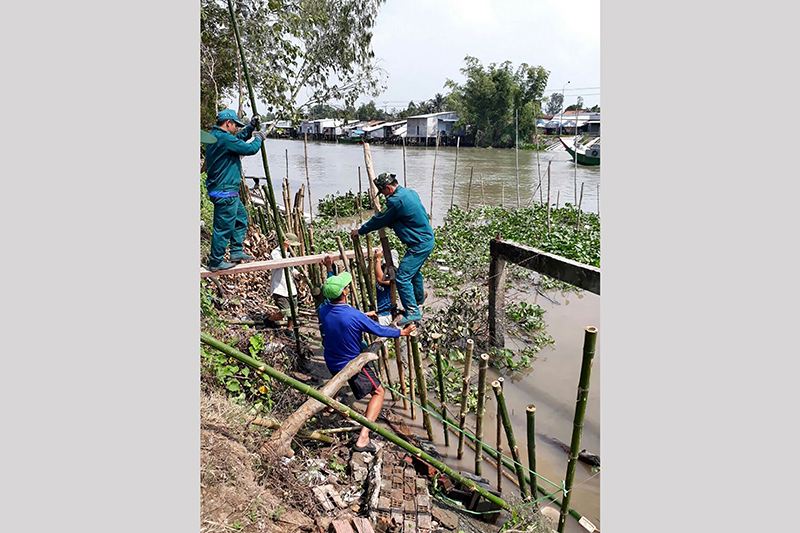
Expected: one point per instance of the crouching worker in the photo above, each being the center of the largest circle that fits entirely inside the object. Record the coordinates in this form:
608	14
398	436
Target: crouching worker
342	327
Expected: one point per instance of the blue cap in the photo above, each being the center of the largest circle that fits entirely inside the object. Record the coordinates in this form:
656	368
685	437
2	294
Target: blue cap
229	114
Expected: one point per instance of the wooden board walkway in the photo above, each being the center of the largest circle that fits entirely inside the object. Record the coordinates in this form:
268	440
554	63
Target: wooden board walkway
259	266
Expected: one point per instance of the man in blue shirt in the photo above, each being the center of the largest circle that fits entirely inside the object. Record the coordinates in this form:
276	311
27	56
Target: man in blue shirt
406	215
342	327
224	171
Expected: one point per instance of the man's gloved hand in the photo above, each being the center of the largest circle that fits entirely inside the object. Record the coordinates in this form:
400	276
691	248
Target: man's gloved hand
256	122
261	135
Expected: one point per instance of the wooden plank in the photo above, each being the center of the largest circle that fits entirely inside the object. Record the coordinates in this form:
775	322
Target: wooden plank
362	525
260	266
563	269
342	526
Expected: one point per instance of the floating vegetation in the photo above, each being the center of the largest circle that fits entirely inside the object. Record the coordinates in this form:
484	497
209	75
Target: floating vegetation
342	205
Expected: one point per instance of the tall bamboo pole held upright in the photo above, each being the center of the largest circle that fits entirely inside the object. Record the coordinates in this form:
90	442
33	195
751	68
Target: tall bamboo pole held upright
286	271
353	295
462	414
433	174
548	197
531	414
440	374
422	386
479	411
455	170
405	184
589	343
512	441
308	180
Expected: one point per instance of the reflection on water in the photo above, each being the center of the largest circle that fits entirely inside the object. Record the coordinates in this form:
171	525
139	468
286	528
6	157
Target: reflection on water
334	167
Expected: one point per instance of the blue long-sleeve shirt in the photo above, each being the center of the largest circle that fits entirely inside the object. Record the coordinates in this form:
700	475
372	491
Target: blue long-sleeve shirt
342	327
223	165
406	215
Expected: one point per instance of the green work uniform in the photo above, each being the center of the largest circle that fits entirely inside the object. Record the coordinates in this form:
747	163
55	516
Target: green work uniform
224	170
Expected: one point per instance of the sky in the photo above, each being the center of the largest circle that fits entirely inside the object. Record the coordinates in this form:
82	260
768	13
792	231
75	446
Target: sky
422	43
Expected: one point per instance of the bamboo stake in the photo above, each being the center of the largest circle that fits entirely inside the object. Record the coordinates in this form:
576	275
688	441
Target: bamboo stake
351	413
366	293
516	152
268	179
384	360
598	199
502	192
440	372
353	295
462	414
422	386
499	443
433	174
558	198
483	194
580	201
548	197
308	179
400	374
512	441
469	191
455	169
589	343
404	161
333	431
371	273
358	200
410	377
484	364
531	414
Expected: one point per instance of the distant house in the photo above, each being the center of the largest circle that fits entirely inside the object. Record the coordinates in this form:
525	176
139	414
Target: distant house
569	122
282	128
424	128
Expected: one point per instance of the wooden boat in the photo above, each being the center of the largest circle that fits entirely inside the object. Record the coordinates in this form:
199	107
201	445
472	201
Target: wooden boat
587	155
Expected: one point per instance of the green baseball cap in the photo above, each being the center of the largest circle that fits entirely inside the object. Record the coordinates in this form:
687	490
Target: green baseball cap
229	114
333	286
293	239
384	179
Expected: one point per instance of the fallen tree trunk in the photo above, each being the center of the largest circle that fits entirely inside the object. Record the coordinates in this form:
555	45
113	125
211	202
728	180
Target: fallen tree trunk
272	424
280	442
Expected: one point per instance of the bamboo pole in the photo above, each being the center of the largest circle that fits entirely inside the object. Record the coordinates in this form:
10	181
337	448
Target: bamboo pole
580	201
333	431
598	199
455	169
400	374
371	273
422	386
314	435
516	152
462	413
440	374
278	229
558	198
469	191
483	193
589	343
308	179
433	174
343	256
531	415
499	443
484	364
351	413
367	295
358	199
548	197
512	441
410	377
405	184
384	360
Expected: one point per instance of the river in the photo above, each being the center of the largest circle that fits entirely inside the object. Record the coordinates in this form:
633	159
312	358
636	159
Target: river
334	167
551	382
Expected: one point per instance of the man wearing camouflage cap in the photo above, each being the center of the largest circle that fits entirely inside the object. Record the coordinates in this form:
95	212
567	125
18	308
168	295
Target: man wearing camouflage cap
406	215
342	327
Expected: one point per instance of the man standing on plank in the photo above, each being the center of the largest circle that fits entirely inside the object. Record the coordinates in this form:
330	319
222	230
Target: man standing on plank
406	215
342	327
224	170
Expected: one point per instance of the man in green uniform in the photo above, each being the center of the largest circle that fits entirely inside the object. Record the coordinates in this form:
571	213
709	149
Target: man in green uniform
406	215
224	170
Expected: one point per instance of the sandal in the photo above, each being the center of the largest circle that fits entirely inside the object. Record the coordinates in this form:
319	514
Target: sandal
370	447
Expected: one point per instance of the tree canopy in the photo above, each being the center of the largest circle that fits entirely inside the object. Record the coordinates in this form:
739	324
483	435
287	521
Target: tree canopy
491	96
321	47
554	104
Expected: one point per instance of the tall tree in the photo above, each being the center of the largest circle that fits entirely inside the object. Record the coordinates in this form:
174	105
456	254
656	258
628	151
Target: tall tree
320	47
554	104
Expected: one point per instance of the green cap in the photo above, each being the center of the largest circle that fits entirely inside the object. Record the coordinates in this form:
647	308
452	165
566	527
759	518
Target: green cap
384	179
229	114
333	286
292	238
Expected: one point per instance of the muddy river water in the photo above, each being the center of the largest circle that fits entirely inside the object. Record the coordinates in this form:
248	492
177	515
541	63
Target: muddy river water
552	380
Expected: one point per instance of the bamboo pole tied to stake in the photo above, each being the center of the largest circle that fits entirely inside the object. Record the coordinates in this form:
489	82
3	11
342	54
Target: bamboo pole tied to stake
512	441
